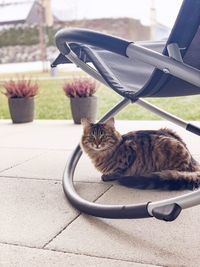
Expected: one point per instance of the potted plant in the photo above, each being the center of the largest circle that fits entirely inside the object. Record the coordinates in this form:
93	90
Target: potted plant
20	95
83	103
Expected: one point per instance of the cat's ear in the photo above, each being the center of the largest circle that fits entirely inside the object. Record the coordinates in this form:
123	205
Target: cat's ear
85	122
110	122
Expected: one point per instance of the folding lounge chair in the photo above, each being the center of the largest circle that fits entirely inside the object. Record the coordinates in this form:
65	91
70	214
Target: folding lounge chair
137	71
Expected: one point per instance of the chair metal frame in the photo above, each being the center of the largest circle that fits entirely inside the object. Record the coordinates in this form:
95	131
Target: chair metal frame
167	209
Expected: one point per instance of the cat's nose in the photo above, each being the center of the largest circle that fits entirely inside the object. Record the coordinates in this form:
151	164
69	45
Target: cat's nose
98	145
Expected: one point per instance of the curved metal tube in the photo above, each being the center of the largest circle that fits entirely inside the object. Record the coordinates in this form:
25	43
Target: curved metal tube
134	211
142	210
76	35
95	209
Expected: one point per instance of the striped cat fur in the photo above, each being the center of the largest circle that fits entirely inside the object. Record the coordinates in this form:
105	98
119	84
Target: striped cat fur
149	159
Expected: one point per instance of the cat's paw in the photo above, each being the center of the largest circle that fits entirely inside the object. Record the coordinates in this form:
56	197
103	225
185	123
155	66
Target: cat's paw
109	177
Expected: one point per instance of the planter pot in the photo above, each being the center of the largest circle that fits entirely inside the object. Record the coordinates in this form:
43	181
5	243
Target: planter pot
21	109
83	107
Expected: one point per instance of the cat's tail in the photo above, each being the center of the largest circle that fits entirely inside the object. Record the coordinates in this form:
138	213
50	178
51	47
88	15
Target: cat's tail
163	180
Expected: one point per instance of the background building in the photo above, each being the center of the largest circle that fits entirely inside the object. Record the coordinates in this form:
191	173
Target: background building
27	28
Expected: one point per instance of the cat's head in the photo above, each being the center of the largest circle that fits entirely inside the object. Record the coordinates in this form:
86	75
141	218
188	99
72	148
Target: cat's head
99	136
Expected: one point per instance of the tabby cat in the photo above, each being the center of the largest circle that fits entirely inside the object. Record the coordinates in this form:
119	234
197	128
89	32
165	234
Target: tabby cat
153	159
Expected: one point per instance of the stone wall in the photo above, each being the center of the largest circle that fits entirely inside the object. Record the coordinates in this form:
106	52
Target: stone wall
123	27
127	28
16	54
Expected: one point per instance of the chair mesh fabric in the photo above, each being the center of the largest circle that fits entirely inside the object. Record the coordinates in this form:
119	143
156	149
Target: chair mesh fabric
132	78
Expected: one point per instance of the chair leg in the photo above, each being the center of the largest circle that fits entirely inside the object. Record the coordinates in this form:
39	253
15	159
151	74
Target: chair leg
187	126
116	109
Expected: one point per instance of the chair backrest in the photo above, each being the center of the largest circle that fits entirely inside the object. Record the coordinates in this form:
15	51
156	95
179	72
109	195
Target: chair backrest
186	33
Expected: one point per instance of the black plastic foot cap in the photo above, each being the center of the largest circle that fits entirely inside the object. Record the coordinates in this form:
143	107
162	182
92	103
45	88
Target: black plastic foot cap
167	213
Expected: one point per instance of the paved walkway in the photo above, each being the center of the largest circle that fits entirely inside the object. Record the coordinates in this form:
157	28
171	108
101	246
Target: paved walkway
38	227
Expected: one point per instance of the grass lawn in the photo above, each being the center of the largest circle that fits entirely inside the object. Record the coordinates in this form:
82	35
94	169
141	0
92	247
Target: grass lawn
51	103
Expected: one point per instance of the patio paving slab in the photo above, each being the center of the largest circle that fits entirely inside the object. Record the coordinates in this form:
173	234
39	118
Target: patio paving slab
15	256
147	241
52	134
39	225
13	157
35	211
49	165
82	174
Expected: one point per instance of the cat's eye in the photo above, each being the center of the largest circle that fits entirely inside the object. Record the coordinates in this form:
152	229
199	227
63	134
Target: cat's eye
101	133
